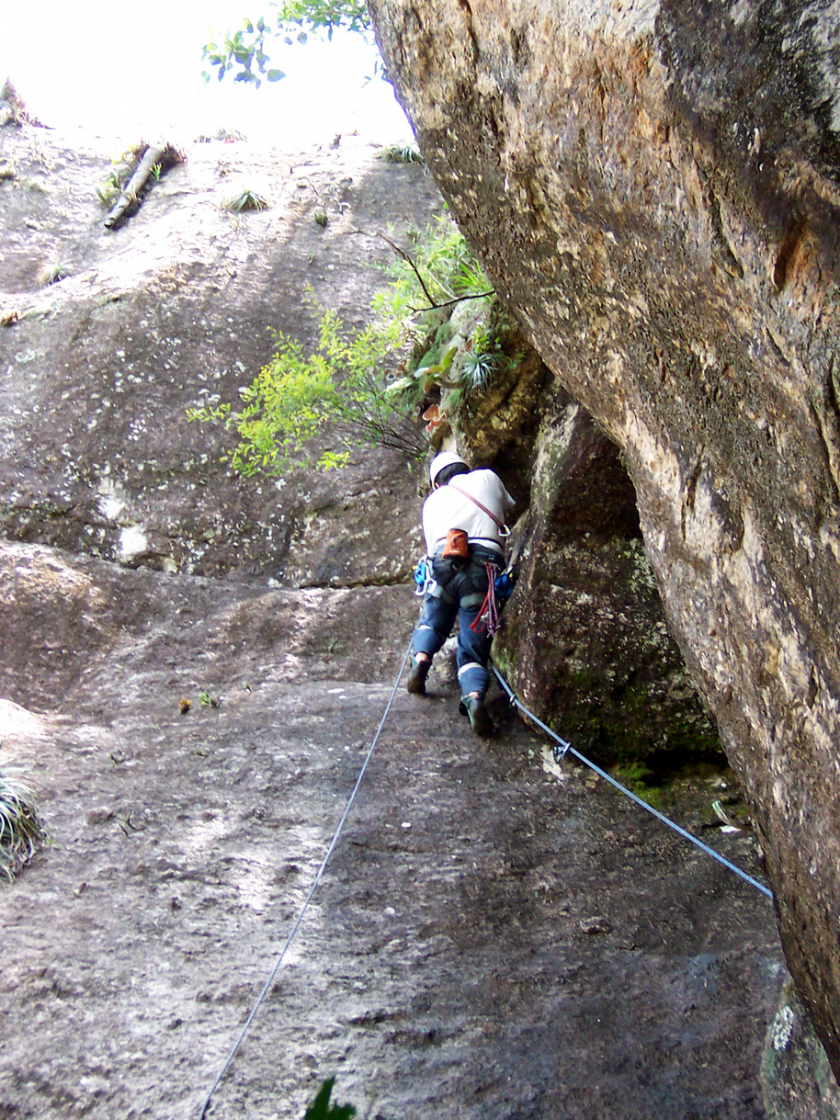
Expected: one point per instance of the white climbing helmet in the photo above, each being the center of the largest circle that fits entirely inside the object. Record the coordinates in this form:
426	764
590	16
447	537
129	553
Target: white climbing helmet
444	459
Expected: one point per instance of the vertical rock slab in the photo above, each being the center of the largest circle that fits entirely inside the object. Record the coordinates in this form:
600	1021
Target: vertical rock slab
584	640
653	189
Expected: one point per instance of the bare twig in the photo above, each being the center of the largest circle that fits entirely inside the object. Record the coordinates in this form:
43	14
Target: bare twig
460	299
433	306
402	253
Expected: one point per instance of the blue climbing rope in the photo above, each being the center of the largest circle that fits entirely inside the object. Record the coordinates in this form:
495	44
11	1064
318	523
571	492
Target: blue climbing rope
267	986
565	748
568	748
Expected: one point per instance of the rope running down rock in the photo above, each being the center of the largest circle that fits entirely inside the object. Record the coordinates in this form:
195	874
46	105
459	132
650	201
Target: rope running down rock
267	986
568	748
564	749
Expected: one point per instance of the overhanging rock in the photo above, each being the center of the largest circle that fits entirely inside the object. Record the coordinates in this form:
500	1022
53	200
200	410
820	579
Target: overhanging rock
653	189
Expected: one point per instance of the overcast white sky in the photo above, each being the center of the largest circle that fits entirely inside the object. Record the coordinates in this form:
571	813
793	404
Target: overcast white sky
115	68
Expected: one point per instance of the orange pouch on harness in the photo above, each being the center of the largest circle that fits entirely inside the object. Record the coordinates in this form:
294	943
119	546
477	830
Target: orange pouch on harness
457	545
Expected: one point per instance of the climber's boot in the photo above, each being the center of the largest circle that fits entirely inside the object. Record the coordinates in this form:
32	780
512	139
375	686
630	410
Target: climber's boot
417	677
479	717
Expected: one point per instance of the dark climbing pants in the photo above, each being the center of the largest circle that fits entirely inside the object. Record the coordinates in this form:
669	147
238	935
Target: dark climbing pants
458	594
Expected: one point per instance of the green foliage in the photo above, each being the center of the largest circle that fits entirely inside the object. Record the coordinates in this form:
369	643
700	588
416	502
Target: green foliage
443	269
244	53
324	15
108	191
245	199
121	170
479	368
355	380
641	780
20	828
293	396
482	359
321	1109
400	153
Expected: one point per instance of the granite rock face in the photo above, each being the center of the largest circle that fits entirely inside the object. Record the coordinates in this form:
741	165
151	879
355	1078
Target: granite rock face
653	188
584	640
191	665
176	309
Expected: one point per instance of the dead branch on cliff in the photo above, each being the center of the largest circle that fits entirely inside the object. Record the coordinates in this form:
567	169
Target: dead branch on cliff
160	157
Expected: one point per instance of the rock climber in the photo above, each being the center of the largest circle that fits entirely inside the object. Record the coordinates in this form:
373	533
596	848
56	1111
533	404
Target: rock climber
474	502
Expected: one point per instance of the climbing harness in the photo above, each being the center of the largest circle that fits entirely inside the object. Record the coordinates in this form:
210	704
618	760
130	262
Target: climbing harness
567	748
267	986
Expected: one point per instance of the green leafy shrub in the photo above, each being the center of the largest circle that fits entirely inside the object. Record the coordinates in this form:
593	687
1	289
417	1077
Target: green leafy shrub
294	395
366	383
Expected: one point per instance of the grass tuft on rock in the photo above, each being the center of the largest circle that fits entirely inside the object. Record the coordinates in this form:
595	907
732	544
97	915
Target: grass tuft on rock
400	153
246	199
21	831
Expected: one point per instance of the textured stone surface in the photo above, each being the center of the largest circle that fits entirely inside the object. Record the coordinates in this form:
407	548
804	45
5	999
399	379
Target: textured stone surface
495	935
653	189
584	638
530	946
796	1078
176	309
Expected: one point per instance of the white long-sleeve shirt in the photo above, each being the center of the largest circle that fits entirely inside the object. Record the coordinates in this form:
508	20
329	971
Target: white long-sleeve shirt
446	509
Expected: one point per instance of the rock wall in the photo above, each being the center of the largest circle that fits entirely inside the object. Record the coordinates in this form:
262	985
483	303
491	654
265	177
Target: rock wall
584	639
491	938
175	309
653	189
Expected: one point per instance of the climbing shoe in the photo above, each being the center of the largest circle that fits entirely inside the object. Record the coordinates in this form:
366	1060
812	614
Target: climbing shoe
417	676
480	721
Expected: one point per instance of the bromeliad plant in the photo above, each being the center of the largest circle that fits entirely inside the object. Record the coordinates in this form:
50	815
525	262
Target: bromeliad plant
245	199
20	828
400	153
